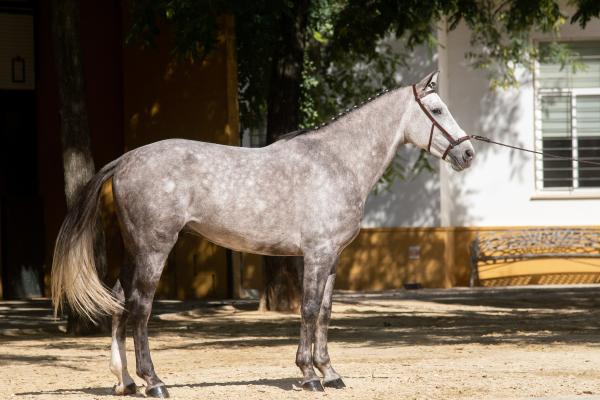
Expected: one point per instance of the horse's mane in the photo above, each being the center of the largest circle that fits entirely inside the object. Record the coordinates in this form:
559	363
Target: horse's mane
347	111
293	134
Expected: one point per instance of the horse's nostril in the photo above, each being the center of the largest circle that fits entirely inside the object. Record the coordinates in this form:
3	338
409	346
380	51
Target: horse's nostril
468	155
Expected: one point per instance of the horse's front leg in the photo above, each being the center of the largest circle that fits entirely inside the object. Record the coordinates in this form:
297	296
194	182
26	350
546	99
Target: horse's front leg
321	355
316	269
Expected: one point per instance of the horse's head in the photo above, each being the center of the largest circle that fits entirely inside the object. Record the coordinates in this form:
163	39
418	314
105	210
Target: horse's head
432	127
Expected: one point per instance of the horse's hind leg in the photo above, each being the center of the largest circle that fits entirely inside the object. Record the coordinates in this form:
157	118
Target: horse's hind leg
146	274
321	354
118	359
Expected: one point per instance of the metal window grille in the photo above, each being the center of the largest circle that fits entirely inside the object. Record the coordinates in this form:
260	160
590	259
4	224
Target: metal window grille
568	121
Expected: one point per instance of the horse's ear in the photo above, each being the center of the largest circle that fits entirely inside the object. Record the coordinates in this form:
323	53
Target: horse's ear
429	82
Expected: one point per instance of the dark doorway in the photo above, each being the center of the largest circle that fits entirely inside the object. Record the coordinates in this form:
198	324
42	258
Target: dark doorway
21	219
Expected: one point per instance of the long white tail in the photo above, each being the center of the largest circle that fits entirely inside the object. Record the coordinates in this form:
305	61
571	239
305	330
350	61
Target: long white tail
74	274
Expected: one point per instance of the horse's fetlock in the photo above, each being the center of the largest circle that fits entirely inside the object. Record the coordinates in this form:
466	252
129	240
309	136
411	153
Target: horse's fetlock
303	360
115	370
321	361
144	373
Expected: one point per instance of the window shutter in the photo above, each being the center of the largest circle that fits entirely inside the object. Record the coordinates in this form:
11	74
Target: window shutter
556	116
588	116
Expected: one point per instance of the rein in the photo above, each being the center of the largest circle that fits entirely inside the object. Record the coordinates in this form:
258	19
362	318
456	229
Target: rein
455	142
549	155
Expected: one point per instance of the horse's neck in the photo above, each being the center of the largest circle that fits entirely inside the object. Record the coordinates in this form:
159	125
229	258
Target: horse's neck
366	140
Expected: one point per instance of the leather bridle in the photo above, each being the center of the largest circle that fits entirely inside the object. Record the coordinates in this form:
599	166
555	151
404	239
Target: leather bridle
452	143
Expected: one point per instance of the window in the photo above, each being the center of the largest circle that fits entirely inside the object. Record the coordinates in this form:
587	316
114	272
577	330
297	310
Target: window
568	121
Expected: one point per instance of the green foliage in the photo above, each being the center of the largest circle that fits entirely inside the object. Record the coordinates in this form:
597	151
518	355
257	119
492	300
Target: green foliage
500	30
586	11
336	81
349	54
194	25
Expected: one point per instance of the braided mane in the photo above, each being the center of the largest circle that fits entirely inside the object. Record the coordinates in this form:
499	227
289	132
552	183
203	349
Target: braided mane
347	111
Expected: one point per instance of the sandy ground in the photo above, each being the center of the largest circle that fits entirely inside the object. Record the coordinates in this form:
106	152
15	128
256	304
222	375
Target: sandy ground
426	344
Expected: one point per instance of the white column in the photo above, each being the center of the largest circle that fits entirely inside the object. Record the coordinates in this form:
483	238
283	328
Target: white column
444	92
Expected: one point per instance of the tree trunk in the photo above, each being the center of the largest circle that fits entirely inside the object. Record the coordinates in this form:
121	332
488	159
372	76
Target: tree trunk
78	163
283	275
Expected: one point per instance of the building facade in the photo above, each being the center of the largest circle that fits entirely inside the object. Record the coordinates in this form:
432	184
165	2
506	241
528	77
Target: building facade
420	232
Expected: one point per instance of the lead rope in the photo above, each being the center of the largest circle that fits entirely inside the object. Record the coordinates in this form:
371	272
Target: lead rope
550	155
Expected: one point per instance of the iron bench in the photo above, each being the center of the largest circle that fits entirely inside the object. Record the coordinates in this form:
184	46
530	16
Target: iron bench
510	245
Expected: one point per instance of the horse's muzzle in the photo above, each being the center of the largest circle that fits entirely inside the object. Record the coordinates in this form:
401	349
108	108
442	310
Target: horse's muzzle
461	156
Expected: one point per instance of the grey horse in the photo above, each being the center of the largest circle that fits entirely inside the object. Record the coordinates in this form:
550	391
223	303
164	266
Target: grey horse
301	196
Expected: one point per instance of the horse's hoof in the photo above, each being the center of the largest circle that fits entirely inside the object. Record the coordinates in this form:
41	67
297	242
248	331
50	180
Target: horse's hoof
159	391
120	390
336	384
313	386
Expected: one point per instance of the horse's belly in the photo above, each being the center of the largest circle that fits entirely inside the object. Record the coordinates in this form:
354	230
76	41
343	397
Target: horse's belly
269	243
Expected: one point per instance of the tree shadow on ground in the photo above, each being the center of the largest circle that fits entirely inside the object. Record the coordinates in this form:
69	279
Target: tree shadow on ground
393	318
522	316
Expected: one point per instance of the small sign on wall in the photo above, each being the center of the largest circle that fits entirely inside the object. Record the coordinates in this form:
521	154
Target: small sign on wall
17	58
18	69
414	252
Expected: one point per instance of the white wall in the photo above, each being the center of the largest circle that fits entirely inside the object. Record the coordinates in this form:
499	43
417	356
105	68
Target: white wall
414	202
499	189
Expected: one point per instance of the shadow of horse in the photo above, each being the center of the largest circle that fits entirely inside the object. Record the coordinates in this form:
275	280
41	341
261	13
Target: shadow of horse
285	384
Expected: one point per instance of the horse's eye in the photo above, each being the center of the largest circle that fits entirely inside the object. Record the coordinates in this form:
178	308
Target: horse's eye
437	111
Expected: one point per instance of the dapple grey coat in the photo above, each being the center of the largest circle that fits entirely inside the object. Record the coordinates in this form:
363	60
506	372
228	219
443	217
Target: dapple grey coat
303	195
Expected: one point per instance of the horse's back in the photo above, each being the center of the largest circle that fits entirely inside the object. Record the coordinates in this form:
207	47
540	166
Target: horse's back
241	198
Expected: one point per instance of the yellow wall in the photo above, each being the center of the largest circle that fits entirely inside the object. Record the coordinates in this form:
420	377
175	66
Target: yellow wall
378	259
252	272
164	98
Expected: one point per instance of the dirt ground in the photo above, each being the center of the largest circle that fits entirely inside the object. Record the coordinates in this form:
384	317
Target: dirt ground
537	342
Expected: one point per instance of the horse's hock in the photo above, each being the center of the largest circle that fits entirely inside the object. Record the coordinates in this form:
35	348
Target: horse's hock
535	256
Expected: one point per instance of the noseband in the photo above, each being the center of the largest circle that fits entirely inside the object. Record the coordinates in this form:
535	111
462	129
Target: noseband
434	124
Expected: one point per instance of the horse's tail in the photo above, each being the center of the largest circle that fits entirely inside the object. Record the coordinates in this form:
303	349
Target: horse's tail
74	275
